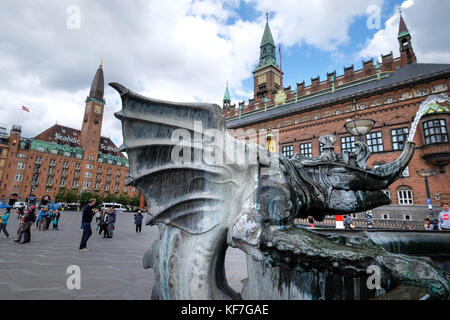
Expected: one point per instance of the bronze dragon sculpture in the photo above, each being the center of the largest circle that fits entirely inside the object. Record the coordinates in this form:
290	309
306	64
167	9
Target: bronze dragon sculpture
206	191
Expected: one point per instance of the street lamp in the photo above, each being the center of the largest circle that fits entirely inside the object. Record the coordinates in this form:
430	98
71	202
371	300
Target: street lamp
426	173
358	127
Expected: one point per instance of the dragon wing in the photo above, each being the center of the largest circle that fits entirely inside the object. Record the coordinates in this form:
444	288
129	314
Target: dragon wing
182	193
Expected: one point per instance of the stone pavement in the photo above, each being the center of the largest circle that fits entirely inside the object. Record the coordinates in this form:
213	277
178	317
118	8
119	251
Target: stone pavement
111	269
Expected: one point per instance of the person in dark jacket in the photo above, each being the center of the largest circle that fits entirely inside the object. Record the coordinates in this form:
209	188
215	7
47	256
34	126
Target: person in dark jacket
25	226
111	221
86	219
138	221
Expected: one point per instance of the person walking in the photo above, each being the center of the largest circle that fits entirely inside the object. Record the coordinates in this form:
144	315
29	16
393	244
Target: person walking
444	217
138	221
4	222
111	221
86	220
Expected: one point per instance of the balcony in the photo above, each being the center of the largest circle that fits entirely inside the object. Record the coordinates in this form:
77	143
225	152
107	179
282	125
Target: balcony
437	155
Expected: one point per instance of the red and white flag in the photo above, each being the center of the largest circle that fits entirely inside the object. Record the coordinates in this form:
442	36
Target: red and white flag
25	109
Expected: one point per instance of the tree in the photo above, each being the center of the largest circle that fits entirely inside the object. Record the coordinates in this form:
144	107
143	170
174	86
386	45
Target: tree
123	199
108	198
134	201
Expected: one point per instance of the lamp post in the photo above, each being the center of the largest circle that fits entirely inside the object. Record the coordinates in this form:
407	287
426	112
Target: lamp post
358	128
426	173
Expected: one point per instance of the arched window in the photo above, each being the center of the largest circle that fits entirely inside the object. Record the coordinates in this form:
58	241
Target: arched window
405	196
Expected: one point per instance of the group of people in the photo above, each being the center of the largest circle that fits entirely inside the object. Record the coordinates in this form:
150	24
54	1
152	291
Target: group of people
27	218
105	221
47	217
443	221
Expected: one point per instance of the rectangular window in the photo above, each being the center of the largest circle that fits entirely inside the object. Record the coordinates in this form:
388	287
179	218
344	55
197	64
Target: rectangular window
399	137
375	142
306	149
435	131
38	160
348	144
107	187
18	177
21	166
75	184
288	151
88	175
407	217
405	197
52	162
65	164
78	166
385	216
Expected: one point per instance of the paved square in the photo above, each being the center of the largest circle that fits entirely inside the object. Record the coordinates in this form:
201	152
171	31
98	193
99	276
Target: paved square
111	269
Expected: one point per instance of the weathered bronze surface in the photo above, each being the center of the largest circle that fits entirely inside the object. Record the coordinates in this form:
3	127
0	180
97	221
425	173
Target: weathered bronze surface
203	206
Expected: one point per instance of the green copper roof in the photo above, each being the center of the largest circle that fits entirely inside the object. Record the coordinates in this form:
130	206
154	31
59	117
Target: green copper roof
436	108
402	34
267	55
227	96
267	37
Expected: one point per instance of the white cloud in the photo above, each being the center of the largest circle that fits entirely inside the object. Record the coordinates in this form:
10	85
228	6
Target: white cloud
180	50
424	20
324	24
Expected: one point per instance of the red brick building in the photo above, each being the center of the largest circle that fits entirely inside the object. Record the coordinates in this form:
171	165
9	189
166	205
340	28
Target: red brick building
389	92
62	158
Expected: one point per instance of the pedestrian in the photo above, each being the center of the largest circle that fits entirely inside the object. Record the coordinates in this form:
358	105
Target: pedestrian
55	220
311	221
20	212
138	221
4	222
111	221
348	222
86	220
48	219
444	217
25	226
104	224
40	219
98	220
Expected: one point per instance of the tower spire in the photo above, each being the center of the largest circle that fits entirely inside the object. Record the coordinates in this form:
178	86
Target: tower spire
404	39
227	98
267	54
98	84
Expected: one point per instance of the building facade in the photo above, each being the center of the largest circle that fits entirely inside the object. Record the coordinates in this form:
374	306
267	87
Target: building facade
389	92
63	158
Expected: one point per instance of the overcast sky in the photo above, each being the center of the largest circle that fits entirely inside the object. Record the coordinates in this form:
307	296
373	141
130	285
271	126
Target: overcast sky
186	50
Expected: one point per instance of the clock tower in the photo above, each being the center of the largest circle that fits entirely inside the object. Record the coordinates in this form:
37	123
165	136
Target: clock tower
267	75
93	116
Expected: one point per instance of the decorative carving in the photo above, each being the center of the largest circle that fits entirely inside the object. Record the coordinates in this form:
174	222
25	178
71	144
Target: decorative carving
249	201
